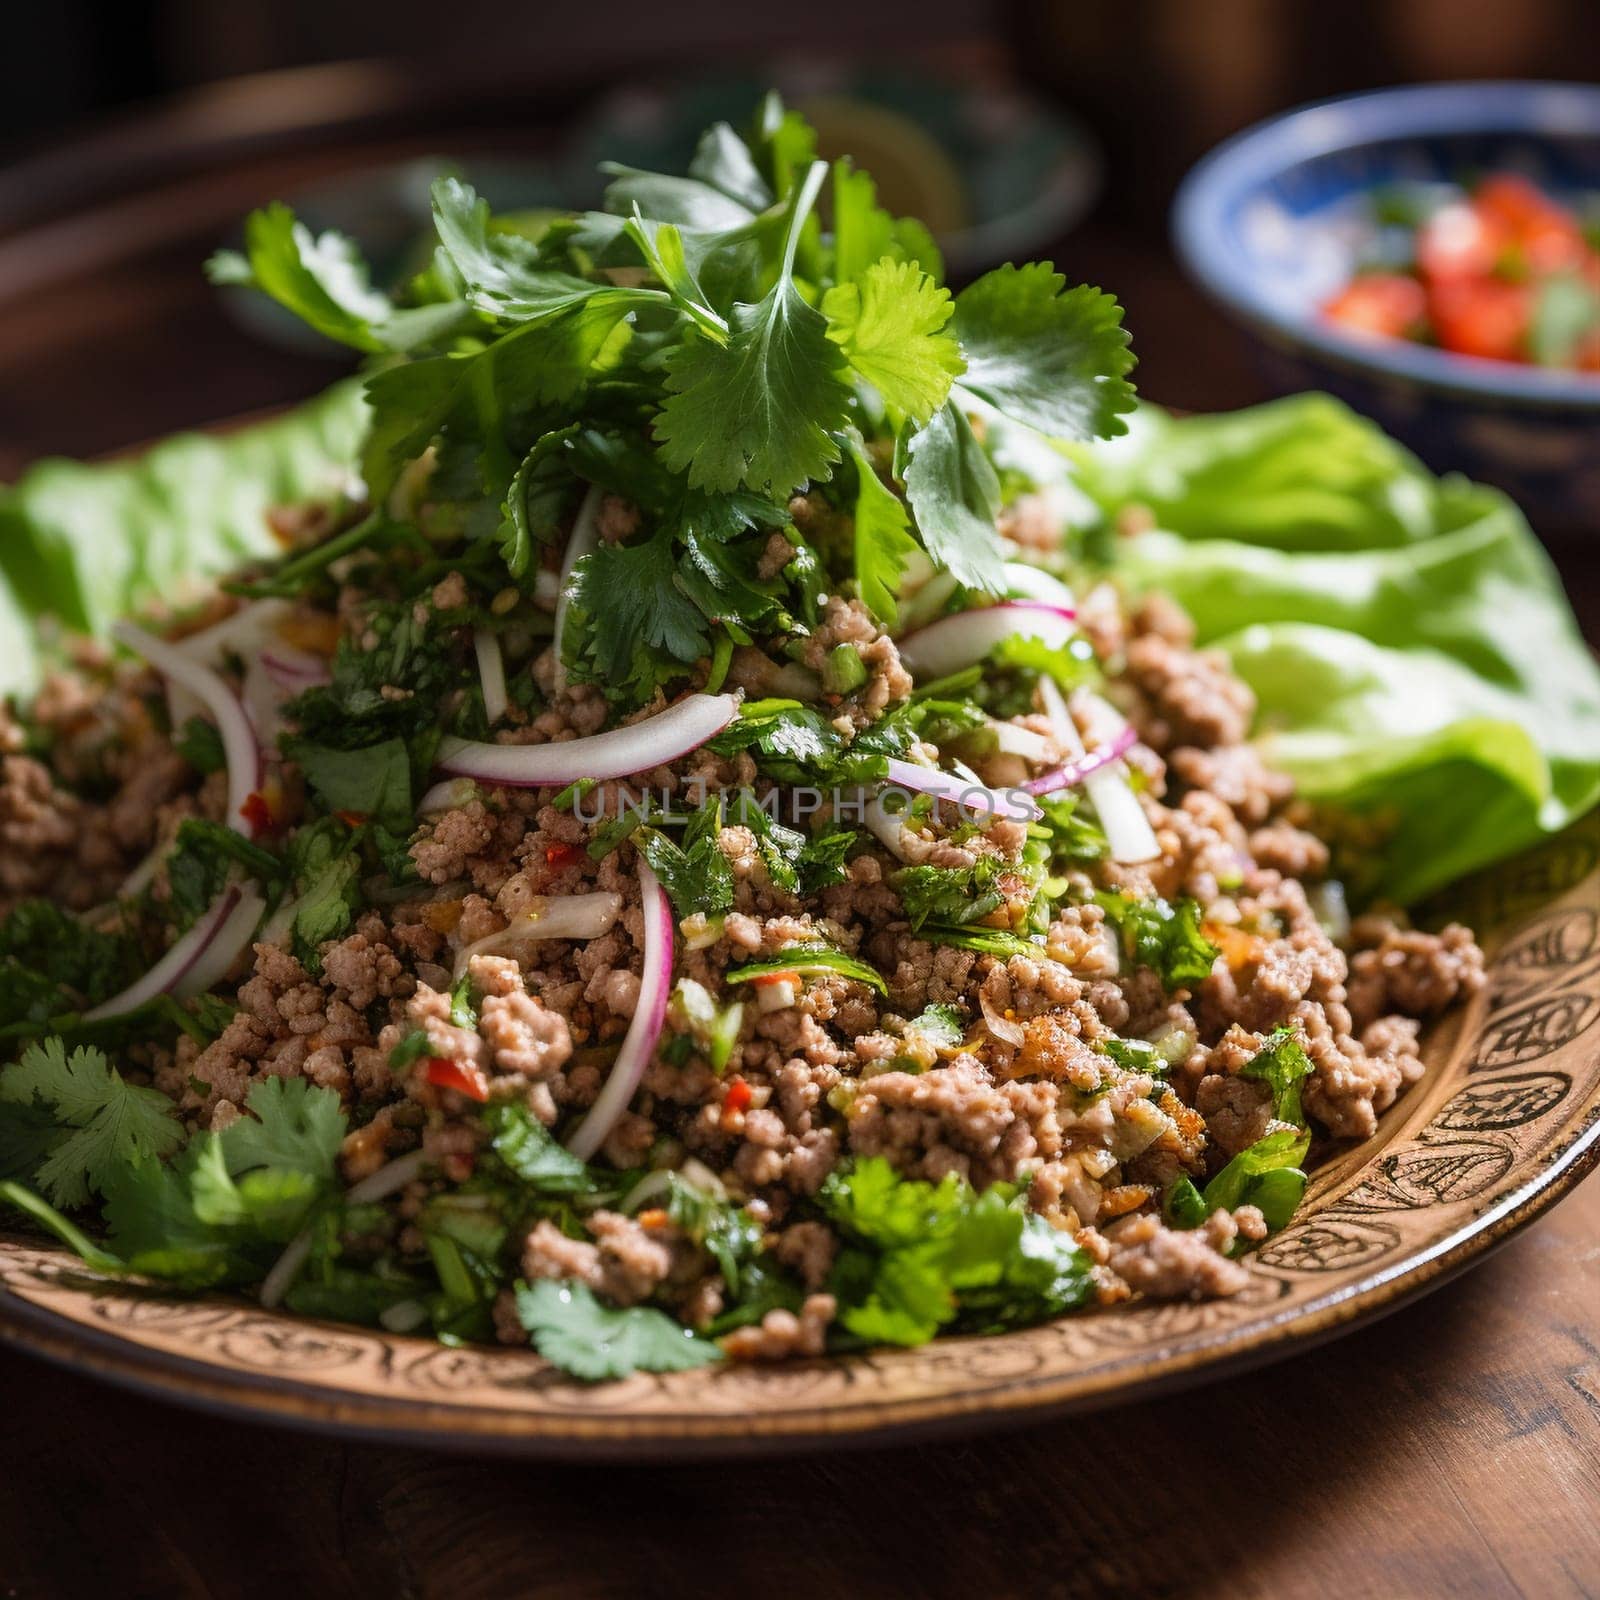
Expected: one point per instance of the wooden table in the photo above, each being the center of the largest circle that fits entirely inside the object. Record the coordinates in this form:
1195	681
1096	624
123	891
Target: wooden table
1452	1449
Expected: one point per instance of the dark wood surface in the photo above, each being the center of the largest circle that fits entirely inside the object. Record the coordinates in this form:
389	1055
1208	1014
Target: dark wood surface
1453	1448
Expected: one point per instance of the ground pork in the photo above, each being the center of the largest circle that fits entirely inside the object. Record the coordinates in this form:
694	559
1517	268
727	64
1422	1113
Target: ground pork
848	622
1399	969
1172	1264
781	1335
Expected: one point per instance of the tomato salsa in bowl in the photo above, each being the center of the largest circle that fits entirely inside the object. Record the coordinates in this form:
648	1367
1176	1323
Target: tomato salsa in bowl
1426	254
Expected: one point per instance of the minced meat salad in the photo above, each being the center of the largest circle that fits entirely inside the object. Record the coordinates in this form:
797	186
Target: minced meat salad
684	860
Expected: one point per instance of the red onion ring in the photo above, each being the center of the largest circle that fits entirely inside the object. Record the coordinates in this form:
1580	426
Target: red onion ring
649	1016
616	753
1072	773
956	642
1012	803
239	744
491	673
177	963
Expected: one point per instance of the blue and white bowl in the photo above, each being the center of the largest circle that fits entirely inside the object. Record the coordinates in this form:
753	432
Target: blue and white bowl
1272	223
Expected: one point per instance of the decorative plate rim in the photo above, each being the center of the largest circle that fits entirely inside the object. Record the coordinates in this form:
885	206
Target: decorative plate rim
1492	1070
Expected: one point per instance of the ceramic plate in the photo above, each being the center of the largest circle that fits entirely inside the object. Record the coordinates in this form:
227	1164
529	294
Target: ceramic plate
1506	1120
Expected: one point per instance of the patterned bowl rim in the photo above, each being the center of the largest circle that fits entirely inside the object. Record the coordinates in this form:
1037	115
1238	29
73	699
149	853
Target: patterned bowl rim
1549	111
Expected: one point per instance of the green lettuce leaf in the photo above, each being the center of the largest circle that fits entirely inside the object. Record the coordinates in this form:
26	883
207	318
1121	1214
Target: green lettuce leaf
89	543
1407	638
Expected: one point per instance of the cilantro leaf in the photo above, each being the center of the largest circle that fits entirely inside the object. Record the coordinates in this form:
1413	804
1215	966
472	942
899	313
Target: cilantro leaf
1267	1175
919	1256
952	896
626	605
109	1123
762	409
293	1125
891	324
28	1133
324	281
1281	1063
1161	936
205	857
883	541
534	1157
863	232
1053	358
955	493
573	1331
371	782
51	961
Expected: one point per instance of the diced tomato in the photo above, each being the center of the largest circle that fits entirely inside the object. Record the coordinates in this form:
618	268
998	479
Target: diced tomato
765	980
1546	235
1386	304
257	811
1484	318
462	1076
351	819
738	1096
562	856
1460	241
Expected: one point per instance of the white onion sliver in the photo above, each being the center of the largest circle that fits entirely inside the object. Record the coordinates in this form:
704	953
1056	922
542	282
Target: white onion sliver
448	794
956	642
1034	583
962	791
638	747
1012	739
491	672
584	538
238	741
224	948
888	829
393	1175
174	966
1127	828
565	916
649	1014
1002	1027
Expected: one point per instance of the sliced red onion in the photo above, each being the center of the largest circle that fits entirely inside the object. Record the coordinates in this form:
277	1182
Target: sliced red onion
139	879
563	916
177	963
639	1045
1072	773
638	747
956	642
238	741
294	671
491	673
1034	583
583	541
963	791
261	698
385	1181
242	632
449	794
225	947
1127	828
